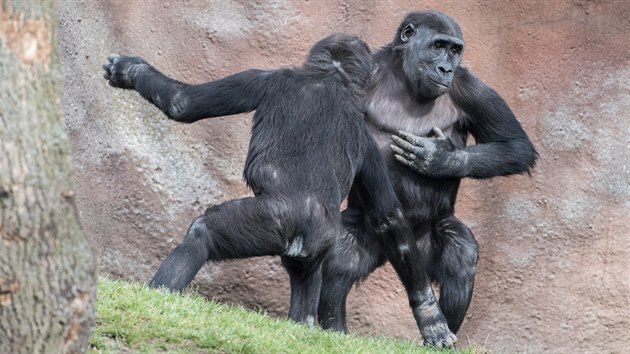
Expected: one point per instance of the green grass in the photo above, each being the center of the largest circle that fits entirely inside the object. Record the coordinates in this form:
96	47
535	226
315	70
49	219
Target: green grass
132	318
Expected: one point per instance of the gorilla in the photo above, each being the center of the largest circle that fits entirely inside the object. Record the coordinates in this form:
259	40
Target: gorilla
309	146
421	107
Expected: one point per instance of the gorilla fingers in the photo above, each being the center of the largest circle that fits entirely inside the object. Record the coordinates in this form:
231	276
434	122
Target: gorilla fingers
431	156
121	71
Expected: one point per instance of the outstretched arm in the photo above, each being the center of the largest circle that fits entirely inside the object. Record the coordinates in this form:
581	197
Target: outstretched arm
233	94
502	147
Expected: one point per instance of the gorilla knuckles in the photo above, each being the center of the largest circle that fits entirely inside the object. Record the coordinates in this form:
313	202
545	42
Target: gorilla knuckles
121	71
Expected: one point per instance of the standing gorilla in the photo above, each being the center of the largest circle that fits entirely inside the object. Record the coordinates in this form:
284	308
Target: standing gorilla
419	88
309	145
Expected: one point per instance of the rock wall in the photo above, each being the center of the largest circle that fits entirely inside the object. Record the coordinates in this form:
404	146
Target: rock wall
555	246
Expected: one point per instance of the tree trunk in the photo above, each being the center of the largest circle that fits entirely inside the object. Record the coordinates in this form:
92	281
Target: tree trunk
47	272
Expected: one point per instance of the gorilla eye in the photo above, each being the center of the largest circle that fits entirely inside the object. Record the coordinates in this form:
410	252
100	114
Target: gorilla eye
438	44
456	50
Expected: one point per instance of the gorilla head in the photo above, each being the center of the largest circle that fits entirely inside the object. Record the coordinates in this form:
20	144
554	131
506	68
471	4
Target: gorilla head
431	46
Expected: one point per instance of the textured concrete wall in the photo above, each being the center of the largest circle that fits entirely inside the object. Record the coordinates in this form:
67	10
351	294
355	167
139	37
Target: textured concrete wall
555	247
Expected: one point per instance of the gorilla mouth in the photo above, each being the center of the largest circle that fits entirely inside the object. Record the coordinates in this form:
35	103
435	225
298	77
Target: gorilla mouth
439	83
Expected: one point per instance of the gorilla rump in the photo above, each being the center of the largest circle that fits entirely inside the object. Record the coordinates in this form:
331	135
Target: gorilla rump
421	95
309	145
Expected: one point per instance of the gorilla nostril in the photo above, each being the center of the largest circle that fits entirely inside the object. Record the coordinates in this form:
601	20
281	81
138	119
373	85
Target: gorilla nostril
444	70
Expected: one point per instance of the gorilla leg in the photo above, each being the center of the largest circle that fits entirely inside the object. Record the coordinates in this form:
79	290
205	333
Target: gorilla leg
183	263
331	312
410	257
240	228
453	266
306	281
311	238
353	257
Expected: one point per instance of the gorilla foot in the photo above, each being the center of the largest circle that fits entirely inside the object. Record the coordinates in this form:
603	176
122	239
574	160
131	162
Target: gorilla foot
438	335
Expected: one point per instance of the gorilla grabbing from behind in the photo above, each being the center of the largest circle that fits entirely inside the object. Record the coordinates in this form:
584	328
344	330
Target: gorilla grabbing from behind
420	95
309	146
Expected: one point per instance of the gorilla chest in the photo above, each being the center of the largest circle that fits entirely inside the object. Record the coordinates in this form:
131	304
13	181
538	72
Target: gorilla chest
388	115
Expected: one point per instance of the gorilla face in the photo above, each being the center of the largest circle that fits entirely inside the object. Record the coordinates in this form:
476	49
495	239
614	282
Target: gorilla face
429	60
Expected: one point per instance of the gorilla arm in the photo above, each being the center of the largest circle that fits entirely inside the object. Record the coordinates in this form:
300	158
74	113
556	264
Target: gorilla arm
238	93
502	147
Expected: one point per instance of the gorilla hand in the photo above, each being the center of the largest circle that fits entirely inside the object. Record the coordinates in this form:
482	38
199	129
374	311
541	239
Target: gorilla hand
121	70
431	156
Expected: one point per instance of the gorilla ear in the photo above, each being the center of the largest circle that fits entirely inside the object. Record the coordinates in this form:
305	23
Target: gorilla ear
407	32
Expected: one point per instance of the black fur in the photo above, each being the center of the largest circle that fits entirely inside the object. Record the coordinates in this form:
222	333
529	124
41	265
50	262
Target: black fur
309	144
421	95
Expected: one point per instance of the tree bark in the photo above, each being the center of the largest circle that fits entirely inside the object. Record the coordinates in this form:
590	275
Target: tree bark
47	272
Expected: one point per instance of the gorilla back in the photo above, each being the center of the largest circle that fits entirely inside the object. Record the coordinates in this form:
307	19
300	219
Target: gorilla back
309	144
312	117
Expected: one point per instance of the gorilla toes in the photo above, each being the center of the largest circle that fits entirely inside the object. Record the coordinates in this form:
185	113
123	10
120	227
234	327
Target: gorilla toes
120	70
438	335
